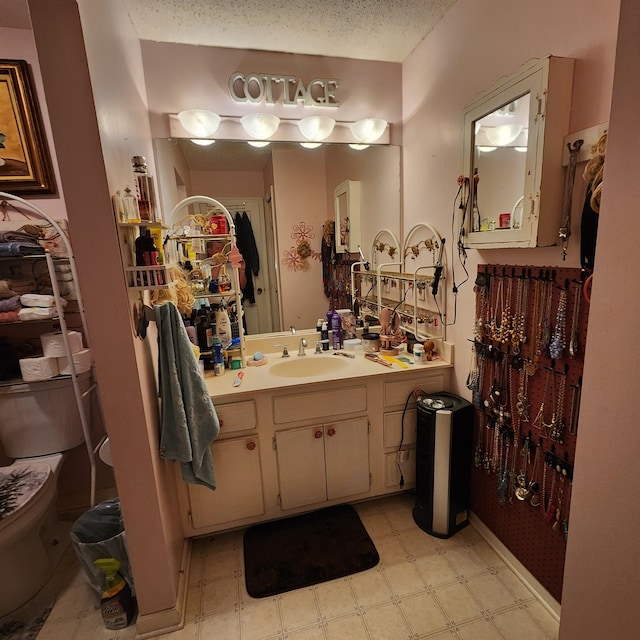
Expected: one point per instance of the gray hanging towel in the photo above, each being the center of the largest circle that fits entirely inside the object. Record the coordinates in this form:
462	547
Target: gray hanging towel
189	422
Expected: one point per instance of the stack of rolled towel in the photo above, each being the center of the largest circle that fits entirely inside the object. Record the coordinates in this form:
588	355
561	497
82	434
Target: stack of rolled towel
28	306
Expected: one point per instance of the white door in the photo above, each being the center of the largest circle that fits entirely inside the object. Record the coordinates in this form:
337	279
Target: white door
346	446
300	455
258	315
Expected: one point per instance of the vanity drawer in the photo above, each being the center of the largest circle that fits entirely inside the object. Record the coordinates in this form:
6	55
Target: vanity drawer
322	404
239	416
393	427
395	393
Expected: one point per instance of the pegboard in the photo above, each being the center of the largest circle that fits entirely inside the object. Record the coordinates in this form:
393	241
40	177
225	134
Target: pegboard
525	374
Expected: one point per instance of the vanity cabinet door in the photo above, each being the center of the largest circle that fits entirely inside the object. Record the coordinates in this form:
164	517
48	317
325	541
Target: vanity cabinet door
323	462
300	455
238	491
346	448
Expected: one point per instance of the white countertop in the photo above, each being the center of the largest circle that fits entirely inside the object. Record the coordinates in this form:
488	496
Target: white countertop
261	378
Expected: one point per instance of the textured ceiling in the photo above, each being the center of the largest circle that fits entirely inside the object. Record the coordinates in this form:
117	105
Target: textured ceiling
386	30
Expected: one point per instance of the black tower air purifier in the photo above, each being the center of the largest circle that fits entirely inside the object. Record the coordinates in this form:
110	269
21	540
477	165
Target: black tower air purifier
443	464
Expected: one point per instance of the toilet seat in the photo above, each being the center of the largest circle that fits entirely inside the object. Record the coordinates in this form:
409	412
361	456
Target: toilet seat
34	478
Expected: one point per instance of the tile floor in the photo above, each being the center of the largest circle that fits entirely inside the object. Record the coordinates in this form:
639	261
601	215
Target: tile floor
423	587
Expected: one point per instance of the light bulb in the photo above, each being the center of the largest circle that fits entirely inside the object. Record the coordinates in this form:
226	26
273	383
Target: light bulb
316	128
199	122
260	125
311	145
368	130
202	143
258	143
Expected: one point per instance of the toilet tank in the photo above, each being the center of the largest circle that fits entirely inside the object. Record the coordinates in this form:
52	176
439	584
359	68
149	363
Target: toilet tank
41	418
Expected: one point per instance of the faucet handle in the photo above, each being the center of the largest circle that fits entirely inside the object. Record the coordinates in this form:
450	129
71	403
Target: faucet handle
318	349
285	349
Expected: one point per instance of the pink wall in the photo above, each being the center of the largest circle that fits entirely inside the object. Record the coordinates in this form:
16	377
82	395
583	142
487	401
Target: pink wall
300	200
123	366
228	184
366	88
443	74
18	44
602	584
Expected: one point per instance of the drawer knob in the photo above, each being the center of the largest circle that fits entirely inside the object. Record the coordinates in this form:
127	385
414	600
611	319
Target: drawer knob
251	445
331	432
318	434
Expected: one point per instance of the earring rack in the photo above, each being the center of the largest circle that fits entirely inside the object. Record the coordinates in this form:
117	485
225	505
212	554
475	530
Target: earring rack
406	279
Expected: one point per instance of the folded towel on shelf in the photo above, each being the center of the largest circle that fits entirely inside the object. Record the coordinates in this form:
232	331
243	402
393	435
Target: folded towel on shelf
17	249
37	300
37	313
189	423
9	316
10	304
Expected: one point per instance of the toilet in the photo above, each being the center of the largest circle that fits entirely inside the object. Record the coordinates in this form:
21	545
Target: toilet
38	422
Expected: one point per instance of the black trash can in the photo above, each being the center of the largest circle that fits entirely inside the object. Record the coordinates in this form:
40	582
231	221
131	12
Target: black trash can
99	533
444	450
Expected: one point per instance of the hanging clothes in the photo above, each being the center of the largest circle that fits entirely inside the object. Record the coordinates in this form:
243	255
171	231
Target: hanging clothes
327	253
249	249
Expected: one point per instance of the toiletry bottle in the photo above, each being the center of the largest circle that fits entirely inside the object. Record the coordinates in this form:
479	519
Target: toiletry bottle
223	327
144	189
117	604
203	329
336	328
218	357
319	325
324	336
329	314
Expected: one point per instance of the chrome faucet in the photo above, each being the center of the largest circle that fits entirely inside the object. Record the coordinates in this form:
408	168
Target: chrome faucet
293	330
301	348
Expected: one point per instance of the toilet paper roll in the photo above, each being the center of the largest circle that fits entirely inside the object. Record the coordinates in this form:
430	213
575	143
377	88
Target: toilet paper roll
37	369
81	360
53	343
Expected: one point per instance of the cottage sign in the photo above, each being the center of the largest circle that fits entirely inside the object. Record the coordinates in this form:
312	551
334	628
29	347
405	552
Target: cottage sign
291	90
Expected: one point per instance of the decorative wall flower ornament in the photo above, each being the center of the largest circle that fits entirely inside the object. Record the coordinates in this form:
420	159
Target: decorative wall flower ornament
302	232
297	258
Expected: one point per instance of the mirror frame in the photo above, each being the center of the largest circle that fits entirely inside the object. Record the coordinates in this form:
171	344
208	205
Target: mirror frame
549	81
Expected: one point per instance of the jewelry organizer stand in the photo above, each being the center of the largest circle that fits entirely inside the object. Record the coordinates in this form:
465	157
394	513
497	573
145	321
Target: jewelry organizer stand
177	236
526	409
405	284
60	303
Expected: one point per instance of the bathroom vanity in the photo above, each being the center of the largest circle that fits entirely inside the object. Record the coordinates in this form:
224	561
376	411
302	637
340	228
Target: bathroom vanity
305	432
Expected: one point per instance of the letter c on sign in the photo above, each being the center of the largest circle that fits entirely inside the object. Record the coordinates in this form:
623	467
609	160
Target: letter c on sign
232	90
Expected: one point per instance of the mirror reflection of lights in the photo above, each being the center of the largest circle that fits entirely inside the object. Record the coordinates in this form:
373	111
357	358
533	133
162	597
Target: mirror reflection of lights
202	143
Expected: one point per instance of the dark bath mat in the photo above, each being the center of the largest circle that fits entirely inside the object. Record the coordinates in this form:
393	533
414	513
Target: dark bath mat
303	550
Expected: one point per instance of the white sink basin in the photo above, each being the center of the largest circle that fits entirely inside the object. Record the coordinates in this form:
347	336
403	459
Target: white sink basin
313	365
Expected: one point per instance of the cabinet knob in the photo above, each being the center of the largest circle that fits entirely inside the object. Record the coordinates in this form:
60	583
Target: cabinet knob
251	445
221	422
318	434
331	432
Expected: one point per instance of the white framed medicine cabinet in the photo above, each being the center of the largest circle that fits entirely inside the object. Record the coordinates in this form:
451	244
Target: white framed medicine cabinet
513	144
348	230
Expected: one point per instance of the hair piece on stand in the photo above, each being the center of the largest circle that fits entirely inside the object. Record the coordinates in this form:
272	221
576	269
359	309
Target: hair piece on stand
180	293
594	169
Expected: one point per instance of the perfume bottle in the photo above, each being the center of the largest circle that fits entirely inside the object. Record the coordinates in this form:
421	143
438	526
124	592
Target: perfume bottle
144	189
224	281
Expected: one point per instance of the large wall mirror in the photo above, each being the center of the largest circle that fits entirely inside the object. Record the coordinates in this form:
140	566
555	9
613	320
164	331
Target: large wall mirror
287	192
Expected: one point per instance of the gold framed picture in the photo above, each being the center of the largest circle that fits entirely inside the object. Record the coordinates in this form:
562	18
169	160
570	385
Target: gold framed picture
25	164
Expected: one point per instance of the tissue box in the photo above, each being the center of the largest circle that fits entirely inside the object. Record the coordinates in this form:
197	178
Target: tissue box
36	369
81	361
53	344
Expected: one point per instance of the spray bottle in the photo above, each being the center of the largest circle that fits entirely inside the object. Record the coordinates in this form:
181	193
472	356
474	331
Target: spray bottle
118	605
